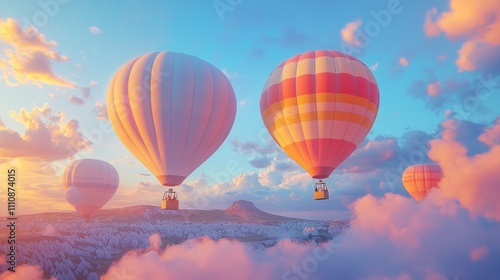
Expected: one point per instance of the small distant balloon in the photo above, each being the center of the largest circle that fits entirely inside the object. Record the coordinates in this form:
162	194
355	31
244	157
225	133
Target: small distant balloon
89	184
420	179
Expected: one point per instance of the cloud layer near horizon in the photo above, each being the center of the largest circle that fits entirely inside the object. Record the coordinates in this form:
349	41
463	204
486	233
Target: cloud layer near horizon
393	237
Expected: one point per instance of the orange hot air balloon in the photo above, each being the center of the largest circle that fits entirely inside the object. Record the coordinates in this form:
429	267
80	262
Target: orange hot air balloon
420	179
89	184
172	111
319	106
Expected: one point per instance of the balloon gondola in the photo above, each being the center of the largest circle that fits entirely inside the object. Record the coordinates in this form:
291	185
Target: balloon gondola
321	191
170	200
319	106
172	111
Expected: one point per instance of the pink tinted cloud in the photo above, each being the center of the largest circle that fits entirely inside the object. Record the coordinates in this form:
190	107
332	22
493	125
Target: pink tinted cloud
86	90
430	27
155	241
25	272
76	100
381	221
209	259
491	135
100	111
204	259
403	61
95	30
348	33
478	21
29	58
474	55
477	24
434	89
30	38
398	235
35	68
48	136
478	253
393	237
472	180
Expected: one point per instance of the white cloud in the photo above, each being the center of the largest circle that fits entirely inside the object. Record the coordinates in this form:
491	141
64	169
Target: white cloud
348	33
95	30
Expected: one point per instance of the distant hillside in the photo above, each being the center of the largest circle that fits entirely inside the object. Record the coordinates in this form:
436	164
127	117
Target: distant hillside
240	211
245	211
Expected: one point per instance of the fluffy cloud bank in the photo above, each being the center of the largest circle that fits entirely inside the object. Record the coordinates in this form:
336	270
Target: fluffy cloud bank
478	24
29	58
472	180
393	237
48	136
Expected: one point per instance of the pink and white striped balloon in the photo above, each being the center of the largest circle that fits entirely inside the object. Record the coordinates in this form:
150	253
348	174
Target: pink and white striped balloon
89	184
172	111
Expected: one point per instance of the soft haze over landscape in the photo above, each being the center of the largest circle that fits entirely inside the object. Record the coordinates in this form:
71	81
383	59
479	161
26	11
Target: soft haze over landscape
248	211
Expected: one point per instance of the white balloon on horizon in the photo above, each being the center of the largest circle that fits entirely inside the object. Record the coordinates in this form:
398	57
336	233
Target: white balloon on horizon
89	184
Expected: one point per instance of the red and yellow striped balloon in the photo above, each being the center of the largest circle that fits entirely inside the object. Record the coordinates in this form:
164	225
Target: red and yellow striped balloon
419	179
319	106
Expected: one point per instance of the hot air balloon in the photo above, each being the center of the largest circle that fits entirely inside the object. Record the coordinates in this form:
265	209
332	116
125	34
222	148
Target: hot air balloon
420	179
319	106
172	111
89	184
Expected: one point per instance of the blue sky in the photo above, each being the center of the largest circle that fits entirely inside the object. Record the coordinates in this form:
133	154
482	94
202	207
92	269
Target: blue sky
247	40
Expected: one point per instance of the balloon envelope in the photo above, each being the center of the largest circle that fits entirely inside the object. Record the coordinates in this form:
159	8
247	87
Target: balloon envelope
420	179
89	184
172	111
319	106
